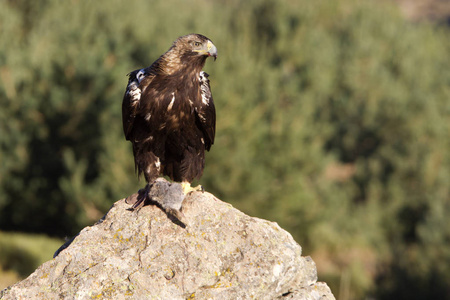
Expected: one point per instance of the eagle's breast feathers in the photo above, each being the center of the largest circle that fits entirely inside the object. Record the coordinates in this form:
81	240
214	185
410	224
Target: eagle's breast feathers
202	105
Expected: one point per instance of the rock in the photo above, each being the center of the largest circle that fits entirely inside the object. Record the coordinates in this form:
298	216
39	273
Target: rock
218	252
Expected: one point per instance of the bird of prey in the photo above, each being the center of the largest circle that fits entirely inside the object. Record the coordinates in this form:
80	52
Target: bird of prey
168	113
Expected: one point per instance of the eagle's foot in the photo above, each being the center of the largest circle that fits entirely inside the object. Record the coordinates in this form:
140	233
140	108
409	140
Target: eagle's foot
143	194
187	188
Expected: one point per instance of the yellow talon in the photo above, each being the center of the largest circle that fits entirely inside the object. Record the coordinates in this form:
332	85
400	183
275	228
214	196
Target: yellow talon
188	189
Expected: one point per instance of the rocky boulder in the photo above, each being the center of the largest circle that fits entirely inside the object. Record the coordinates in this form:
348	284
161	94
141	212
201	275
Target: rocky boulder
217	252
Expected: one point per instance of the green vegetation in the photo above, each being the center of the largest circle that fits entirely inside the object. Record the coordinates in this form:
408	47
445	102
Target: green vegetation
333	120
22	253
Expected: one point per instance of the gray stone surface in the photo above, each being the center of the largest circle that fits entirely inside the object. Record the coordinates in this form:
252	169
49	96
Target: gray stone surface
218	252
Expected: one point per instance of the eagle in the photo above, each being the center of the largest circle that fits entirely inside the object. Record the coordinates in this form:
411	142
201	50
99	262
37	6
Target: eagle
168	113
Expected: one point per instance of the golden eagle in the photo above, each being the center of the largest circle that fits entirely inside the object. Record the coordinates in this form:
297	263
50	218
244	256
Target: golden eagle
168	113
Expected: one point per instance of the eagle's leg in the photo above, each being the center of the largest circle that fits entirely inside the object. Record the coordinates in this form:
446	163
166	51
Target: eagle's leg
187	188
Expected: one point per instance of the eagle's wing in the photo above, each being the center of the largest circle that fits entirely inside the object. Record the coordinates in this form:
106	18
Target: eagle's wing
131	99
205	111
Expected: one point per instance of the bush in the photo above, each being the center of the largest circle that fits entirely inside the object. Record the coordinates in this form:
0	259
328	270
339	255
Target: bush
22	253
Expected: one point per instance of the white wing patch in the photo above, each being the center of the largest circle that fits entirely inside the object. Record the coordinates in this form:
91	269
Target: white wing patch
204	86
171	102
134	92
133	87
140	75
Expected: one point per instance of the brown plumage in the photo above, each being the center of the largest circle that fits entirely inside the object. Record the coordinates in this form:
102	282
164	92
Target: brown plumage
168	112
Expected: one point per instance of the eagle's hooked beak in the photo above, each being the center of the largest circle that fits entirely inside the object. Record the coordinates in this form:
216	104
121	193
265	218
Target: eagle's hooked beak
209	49
212	50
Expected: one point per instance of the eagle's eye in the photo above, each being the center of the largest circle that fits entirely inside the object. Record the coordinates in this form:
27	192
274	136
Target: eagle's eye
197	44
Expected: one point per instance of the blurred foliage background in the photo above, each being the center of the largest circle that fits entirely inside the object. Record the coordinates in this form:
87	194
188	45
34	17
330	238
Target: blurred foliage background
333	119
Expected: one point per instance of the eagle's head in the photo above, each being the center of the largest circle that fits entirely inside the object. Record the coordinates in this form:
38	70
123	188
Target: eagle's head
187	54
195	46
